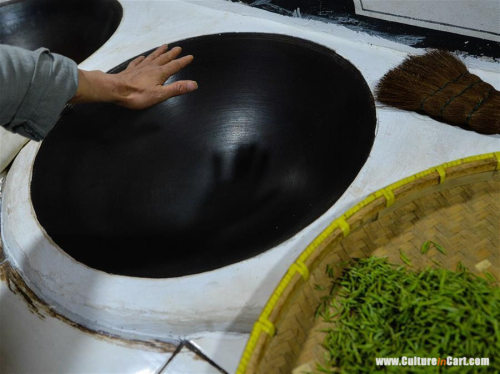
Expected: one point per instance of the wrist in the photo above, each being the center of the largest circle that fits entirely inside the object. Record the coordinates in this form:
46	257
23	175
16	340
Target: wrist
96	86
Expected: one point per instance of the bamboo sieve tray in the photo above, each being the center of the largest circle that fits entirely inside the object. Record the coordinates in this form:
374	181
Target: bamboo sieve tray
456	204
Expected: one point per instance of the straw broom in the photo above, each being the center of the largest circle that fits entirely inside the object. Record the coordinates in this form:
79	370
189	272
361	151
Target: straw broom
438	84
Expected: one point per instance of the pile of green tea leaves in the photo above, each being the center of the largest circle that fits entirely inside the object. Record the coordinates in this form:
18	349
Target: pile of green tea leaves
380	310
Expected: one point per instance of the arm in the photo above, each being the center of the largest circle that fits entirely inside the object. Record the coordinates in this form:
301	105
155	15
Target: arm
140	85
36	86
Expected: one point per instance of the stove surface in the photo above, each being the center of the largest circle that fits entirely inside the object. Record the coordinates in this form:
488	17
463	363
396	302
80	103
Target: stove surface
207	316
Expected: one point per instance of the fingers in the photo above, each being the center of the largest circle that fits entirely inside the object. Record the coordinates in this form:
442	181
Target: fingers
177	88
144	77
156	53
159	57
176	65
135	62
168	56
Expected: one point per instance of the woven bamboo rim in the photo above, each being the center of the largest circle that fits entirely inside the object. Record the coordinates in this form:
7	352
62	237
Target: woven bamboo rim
456	204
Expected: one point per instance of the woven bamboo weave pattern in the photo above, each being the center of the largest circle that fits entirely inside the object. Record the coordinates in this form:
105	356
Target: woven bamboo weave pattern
457	207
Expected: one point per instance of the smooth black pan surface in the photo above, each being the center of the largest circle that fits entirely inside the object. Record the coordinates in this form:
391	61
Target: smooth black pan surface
276	132
74	28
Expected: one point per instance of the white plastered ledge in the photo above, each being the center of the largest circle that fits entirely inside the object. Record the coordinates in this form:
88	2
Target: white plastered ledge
230	298
10	145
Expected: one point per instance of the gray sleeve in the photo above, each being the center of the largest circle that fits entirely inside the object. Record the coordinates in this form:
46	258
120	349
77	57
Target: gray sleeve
34	88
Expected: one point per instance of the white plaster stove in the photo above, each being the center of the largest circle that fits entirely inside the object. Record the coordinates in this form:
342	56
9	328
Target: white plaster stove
198	323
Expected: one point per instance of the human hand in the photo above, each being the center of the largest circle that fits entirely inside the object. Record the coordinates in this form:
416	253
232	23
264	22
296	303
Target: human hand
140	85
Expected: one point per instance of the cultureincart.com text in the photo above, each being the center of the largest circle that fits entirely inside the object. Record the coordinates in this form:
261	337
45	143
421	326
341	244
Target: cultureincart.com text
432	361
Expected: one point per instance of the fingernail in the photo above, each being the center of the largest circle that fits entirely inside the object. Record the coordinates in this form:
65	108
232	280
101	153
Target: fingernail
192	85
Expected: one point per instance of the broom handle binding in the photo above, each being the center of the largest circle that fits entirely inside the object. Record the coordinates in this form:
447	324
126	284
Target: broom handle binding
450	100
478	105
422	103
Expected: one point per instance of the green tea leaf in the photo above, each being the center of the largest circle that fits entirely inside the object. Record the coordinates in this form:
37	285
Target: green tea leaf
404	258
382	310
425	247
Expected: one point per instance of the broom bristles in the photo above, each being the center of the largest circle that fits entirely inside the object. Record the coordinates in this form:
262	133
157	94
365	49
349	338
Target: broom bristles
439	84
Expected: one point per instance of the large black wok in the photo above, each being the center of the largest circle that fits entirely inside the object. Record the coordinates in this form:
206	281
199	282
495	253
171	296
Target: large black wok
276	132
